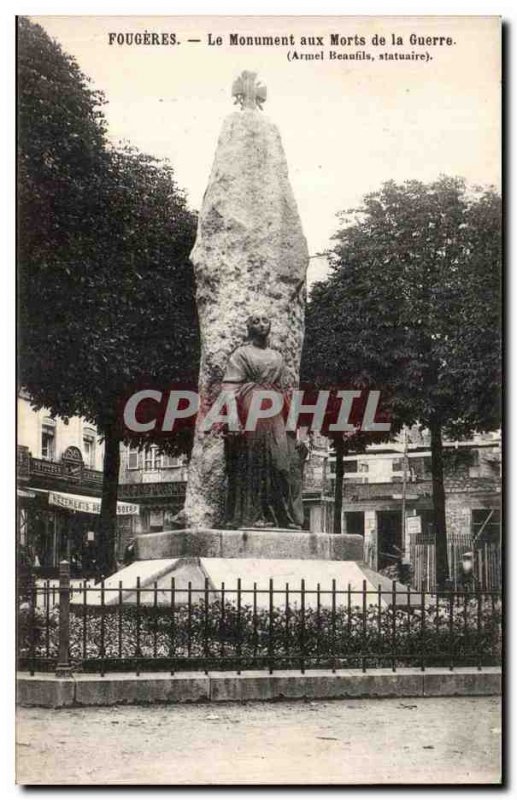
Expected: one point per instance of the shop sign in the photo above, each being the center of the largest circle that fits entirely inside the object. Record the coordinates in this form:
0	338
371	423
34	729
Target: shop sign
86	505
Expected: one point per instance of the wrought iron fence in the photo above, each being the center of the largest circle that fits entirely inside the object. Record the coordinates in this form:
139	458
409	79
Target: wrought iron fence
101	628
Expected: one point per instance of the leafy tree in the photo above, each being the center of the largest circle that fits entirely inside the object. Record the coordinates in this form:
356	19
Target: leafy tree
413	302
106	291
327	364
61	139
144	330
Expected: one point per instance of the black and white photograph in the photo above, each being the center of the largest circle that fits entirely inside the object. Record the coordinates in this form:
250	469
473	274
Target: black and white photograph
259	400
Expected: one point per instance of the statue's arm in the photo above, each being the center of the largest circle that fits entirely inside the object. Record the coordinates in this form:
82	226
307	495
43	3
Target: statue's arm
235	375
286	379
237	370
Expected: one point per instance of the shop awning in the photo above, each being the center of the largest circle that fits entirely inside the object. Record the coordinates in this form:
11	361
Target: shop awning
25	493
87	505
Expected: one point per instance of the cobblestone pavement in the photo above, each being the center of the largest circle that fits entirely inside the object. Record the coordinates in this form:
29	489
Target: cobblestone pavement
453	740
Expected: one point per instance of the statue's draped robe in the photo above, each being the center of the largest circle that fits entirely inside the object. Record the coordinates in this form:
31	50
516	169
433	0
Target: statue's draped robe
263	467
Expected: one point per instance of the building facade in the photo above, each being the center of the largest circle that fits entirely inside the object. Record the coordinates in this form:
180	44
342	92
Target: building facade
387	499
59	471
157	483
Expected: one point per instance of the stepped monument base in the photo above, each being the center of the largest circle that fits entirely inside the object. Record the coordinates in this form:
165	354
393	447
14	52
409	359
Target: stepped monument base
255	557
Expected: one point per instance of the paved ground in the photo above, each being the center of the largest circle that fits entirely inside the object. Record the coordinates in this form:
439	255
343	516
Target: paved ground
453	740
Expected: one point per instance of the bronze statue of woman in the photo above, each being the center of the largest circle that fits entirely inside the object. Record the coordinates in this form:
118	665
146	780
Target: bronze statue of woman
263	465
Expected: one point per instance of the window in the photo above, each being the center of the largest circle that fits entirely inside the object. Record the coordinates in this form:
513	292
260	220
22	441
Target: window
396	465
152	459
156	520
133	458
486	524
48	439
420	467
171	462
354	522
350	466
89	447
363	466
474	458
493	461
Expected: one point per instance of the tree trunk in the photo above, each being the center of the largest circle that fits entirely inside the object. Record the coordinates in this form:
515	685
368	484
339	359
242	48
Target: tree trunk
108	515
442	570
339	447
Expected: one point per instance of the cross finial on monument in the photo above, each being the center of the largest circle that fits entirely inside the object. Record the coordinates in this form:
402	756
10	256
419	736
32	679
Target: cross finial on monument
247	92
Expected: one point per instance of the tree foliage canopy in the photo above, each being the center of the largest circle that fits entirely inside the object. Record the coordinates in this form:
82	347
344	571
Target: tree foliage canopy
412	308
412	304
106	290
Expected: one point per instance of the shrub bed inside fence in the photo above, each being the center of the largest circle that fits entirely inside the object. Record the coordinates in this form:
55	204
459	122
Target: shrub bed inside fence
215	635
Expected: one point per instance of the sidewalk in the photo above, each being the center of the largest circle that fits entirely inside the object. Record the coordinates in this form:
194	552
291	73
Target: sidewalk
427	740
49	691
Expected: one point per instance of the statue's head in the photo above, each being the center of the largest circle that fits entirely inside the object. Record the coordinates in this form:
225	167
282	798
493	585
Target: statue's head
258	325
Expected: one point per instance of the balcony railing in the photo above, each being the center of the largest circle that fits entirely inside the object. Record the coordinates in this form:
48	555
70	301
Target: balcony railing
141	491
419	488
77	477
43	472
387	491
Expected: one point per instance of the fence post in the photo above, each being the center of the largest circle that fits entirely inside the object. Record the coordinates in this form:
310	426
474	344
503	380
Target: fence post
63	669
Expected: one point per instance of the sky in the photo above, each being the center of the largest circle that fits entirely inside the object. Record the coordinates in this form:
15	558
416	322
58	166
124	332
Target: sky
346	126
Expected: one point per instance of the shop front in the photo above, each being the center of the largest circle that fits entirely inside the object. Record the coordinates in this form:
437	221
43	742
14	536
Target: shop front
53	526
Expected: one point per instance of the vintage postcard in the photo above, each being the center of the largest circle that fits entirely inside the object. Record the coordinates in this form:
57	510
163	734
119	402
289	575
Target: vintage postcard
259	400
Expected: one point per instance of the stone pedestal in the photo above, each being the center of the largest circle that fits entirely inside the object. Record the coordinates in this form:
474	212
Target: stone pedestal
252	558
251	543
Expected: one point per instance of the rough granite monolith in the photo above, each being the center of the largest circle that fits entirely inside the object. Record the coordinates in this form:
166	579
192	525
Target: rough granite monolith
250	256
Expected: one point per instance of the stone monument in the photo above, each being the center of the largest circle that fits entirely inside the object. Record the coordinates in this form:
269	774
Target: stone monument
250	260
250	257
262	460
